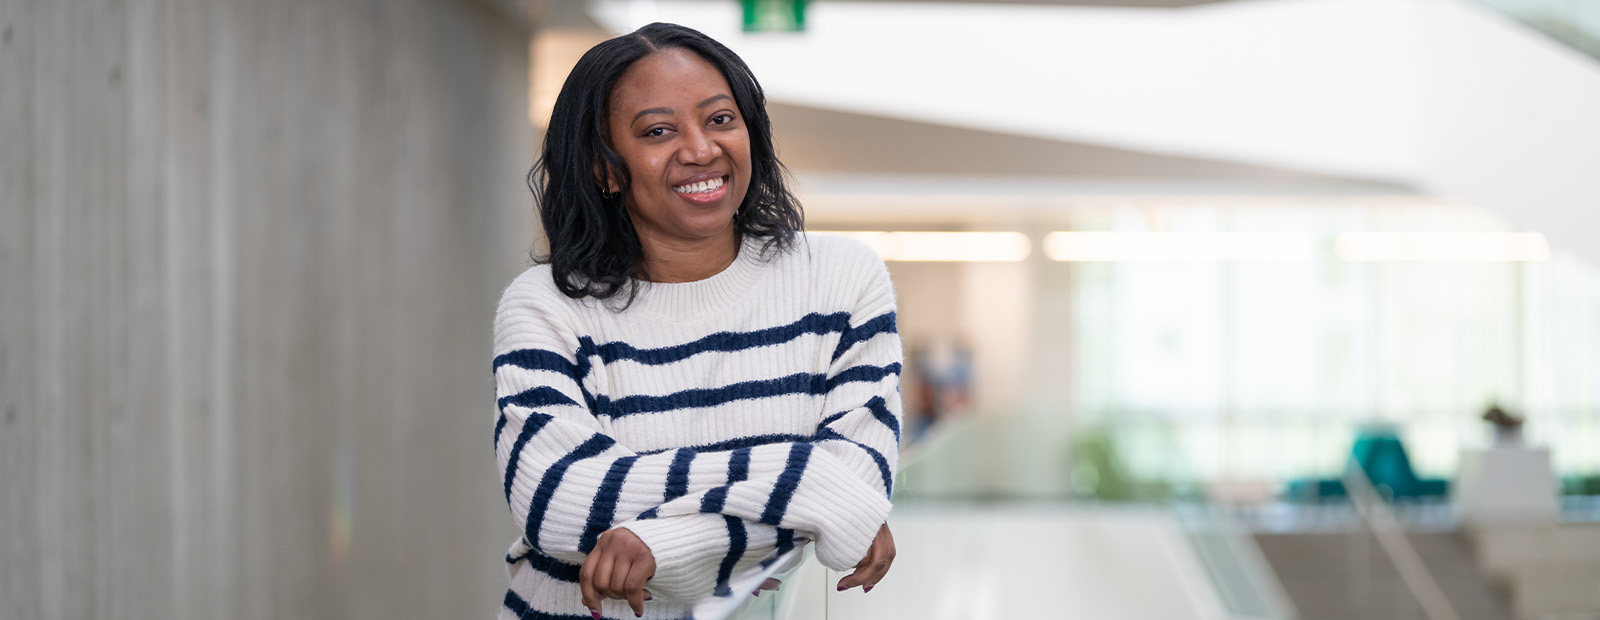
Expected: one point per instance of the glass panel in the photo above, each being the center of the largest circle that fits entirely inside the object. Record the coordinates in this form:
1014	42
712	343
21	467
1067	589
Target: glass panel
1574	22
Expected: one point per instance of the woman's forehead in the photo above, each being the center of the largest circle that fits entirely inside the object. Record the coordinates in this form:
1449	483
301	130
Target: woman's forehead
671	78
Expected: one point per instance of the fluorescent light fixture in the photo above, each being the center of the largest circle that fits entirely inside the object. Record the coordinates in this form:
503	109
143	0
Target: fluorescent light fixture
1442	247
1184	247
942	246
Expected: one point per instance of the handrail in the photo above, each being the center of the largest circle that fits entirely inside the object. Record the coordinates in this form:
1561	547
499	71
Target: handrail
1375	512
1239	571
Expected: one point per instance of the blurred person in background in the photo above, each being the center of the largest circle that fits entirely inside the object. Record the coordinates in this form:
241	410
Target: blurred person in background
690	388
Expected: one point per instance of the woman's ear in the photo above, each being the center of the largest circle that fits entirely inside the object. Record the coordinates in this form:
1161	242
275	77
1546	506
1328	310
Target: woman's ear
605	180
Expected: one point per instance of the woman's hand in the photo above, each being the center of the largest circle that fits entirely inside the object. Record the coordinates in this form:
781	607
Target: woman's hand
617	568
872	568
769	584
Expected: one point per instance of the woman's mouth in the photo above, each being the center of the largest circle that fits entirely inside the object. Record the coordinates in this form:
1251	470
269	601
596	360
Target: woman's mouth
703	187
709	192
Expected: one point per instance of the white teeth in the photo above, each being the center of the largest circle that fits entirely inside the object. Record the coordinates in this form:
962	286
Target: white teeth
699	188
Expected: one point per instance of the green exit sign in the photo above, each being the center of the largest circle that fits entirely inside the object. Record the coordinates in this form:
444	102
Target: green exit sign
774	15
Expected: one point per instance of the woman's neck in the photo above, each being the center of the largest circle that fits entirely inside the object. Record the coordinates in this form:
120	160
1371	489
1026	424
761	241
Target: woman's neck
688	261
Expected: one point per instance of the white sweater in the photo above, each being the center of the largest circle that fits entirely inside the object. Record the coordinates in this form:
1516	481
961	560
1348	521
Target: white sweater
723	421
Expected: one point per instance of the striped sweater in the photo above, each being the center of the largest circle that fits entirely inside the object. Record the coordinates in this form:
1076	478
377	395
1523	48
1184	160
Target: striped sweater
723	421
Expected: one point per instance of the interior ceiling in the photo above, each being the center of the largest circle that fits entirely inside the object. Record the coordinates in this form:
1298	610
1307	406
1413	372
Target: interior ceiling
813	139
1168	4
574	14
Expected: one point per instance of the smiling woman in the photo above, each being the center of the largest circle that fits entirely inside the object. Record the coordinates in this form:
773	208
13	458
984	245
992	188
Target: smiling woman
583	184
690	389
684	144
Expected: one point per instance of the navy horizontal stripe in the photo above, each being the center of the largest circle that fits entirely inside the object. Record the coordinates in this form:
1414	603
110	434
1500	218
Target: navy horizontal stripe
738	471
586	351
538	359
526	612
724	342
540	396
649	514
739	465
678	474
552	478
834	418
788	482
737	540
863	373
604	508
877	457
499	425
881	412
714	499
785	543
739	442
798	383
551	567
881	324
530	426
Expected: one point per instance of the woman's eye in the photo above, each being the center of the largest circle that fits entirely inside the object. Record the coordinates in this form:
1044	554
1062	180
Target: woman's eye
656	132
722	119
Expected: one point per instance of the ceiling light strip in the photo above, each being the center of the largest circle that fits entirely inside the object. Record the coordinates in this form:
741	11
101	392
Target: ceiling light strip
1179	247
1441	247
942	246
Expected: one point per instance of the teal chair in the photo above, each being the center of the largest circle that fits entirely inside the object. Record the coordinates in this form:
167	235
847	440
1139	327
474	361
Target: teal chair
1382	456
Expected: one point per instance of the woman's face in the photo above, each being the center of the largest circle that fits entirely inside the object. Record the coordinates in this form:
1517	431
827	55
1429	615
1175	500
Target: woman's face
676	125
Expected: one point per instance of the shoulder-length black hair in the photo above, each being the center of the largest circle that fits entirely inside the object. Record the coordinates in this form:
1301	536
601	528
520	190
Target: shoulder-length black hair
594	250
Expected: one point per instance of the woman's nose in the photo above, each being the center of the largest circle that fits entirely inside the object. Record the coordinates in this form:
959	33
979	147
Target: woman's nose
698	148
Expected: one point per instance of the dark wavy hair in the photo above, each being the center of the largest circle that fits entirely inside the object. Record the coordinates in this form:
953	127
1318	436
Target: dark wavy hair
594	250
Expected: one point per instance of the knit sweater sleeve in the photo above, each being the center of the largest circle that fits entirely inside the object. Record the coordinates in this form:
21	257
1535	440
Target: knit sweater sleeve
862	423
567	481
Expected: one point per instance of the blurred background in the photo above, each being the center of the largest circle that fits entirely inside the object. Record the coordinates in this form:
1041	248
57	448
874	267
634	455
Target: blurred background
1212	309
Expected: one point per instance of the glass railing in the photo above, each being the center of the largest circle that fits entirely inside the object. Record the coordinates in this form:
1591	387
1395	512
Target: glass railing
1120	456
1243	579
1574	22
984	504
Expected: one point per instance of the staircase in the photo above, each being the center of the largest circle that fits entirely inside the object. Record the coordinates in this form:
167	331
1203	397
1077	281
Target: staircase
1346	576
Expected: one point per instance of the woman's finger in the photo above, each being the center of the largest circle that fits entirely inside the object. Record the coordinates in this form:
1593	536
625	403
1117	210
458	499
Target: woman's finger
769	584
633	583
604	558
872	568
854	578
886	559
619	577
591	595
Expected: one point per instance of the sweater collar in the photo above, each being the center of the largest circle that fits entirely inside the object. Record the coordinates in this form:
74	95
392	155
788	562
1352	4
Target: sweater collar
685	301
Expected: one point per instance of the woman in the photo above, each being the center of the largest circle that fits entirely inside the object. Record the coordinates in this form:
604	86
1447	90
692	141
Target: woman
689	388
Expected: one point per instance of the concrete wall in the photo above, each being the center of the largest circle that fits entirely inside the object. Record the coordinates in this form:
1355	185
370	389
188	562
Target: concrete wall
249	254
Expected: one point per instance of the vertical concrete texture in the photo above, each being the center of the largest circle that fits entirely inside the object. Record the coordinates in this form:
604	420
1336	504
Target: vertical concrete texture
249	255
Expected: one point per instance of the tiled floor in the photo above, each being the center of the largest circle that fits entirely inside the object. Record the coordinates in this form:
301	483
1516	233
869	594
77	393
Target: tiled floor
1005	563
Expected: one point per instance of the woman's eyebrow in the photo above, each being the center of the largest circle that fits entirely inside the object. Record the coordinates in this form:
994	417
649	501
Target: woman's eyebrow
708	101
711	100
652	111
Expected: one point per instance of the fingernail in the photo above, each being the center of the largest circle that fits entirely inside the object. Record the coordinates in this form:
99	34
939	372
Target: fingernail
842	588
648	597
755	593
594	613
638	615
867	589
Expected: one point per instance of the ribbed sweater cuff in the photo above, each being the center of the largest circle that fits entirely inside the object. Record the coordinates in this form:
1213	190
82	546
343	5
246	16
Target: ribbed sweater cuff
686	550
850	512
